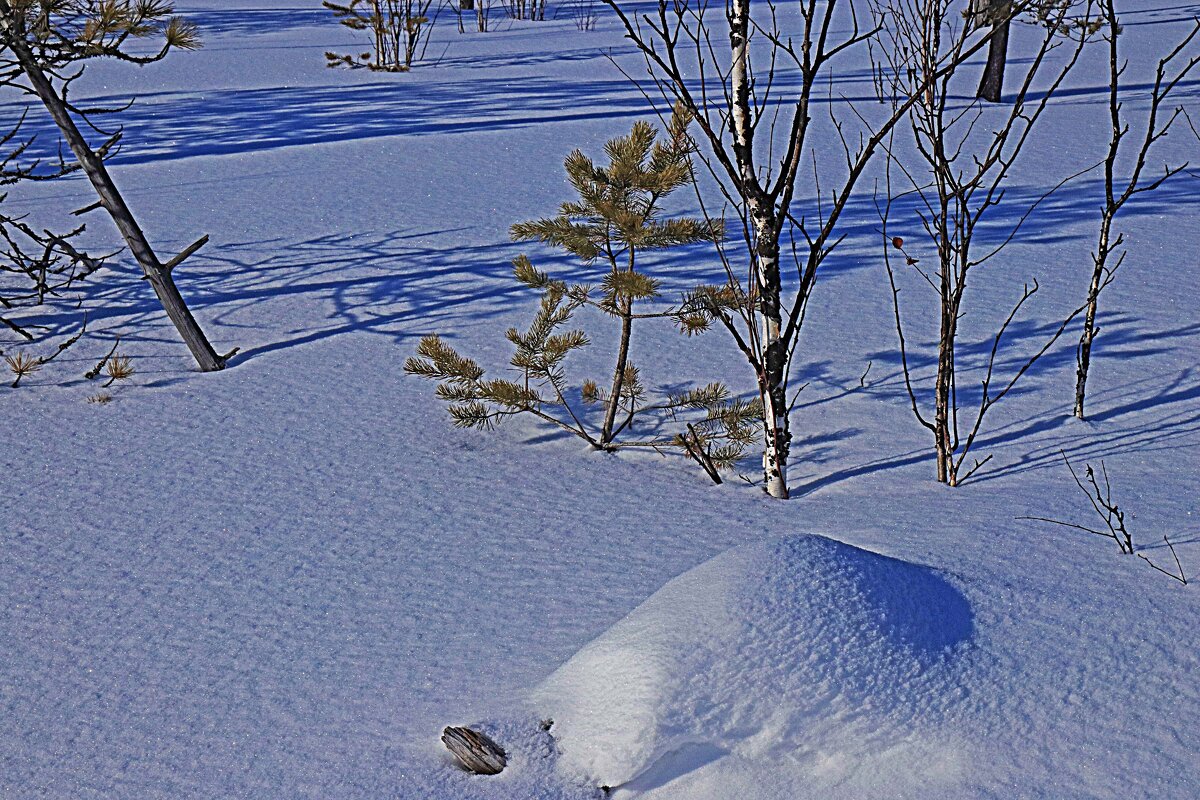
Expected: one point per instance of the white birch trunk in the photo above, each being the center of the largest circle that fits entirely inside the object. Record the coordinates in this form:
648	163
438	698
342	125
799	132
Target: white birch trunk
761	207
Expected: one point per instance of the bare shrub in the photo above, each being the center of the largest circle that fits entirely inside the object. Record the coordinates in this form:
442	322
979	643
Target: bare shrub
965	156
1100	497
1109	255
399	32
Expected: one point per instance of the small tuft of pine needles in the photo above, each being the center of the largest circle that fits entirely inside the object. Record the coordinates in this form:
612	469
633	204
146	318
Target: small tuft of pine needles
437	360
117	368
22	366
590	392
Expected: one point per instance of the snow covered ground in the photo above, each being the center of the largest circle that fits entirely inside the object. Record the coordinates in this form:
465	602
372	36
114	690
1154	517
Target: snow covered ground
282	580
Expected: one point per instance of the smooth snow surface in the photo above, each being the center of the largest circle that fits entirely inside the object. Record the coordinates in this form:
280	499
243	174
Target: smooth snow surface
798	650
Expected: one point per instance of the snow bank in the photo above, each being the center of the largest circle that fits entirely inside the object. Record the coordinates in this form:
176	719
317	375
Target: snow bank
799	651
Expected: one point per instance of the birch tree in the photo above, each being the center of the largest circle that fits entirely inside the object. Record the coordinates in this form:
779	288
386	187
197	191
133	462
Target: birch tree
753	101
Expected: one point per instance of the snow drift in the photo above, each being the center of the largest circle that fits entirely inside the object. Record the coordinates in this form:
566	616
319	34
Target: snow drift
814	655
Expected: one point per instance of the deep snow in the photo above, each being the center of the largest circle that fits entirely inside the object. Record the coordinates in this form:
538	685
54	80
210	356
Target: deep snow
802	658
283	579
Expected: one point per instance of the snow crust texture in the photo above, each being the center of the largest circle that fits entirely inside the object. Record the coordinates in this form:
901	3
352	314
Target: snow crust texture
801	648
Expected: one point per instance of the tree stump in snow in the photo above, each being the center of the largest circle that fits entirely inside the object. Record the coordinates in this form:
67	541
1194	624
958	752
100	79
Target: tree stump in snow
466	5
474	751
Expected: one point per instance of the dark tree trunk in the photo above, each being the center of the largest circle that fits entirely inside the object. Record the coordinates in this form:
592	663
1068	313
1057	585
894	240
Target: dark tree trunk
157	273
618	384
1084	353
992	83
944	399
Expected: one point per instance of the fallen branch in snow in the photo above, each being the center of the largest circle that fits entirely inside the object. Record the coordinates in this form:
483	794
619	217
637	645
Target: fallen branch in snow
95	371
22	365
862	381
474	751
694	444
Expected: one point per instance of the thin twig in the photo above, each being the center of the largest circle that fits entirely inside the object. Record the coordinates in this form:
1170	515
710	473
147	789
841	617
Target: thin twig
1178	566
95	371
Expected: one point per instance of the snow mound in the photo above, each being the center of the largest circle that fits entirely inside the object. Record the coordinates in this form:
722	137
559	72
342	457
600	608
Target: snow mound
797	651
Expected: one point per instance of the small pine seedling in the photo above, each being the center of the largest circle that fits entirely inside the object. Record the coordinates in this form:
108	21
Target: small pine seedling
118	368
22	366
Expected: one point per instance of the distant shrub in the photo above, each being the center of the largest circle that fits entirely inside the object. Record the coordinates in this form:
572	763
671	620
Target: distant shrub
400	31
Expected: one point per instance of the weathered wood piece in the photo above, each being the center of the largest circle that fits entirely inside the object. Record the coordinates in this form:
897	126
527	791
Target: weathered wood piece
474	751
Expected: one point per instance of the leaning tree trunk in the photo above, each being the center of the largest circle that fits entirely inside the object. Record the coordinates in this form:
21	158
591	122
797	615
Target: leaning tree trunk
992	83
157	273
1084	355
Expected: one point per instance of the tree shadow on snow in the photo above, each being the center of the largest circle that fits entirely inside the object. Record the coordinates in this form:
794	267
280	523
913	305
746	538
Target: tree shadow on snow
244	22
172	125
1143	417
399	284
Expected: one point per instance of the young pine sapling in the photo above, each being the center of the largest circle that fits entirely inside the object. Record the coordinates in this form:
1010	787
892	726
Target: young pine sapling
616	219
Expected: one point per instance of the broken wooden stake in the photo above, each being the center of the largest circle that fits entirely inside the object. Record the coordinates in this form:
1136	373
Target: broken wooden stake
474	751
